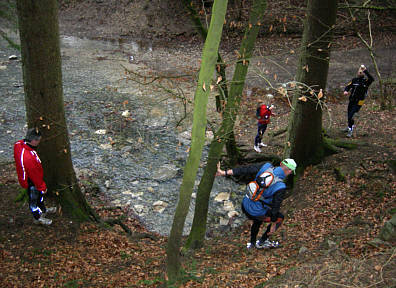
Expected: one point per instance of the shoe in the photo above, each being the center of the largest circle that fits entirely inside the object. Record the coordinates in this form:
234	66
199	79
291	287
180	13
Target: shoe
249	245
345	129
267	244
50	210
262	145
43	221
257	149
349	134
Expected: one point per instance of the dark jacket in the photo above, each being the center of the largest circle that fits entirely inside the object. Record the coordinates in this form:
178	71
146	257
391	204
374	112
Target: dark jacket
358	88
259	208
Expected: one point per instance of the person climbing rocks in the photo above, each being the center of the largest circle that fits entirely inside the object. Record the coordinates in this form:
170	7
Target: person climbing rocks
267	198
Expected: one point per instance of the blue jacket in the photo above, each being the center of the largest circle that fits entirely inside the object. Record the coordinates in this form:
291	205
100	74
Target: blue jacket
277	190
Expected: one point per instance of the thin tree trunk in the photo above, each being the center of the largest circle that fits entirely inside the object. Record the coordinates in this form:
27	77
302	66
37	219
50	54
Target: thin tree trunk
231	147
42	75
198	228
202	92
305	143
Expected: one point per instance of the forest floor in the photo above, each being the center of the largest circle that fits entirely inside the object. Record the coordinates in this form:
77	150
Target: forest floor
328	239
332	220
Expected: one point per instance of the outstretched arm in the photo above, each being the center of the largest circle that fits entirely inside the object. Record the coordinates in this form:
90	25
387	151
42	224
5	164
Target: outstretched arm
244	170
370	79
220	172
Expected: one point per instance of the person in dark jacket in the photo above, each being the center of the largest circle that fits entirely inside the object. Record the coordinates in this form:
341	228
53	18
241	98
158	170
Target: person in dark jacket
357	90
267	209
30	175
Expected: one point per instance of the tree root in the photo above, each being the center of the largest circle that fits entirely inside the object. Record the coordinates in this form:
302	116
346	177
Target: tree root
131	234
277	133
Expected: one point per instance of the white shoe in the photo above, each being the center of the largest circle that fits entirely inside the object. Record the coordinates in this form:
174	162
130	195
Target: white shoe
350	132
249	245
266	244
43	221
257	149
262	145
50	210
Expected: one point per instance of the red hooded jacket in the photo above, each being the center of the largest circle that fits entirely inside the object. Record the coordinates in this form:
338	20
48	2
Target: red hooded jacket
28	166
263	114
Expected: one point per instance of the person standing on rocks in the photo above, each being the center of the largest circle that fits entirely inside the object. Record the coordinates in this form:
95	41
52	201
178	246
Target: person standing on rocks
357	90
30	175
265	204
263	115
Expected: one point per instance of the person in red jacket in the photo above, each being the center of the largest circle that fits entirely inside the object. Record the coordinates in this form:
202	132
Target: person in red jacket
30	175
263	115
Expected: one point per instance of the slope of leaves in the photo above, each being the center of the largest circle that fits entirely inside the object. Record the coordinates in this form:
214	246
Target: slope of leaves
327	236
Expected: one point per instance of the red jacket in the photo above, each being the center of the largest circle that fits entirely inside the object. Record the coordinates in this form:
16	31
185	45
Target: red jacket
263	114
28	166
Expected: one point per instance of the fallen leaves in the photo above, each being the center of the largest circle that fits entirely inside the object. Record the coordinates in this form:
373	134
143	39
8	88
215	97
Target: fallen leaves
303	98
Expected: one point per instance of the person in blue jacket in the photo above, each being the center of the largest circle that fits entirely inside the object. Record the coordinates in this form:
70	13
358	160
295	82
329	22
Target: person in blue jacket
266	209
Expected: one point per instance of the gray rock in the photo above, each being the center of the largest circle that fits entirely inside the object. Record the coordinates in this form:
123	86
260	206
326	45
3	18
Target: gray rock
302	250
165	172
331	244
388	232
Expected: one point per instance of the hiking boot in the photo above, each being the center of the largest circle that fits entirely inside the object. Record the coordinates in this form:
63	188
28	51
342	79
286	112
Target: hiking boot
257	149
42	221
262	145
50	210
267	244
249	246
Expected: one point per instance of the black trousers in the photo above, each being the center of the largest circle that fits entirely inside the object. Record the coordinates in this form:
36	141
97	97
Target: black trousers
260	132
352	109
36	202
258	220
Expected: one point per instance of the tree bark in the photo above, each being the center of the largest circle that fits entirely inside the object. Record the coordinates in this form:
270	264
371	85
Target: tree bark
202	92
232	150
42	75
198	228
305	143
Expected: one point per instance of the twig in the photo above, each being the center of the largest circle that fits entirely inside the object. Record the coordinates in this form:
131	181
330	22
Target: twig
381	271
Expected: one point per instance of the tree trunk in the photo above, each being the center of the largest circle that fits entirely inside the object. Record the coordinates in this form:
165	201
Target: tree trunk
42	75
305	143
198	228
231	147
202	92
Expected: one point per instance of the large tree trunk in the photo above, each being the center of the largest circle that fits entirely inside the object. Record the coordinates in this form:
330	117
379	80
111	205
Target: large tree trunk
305	143
42	75
202	92
198	228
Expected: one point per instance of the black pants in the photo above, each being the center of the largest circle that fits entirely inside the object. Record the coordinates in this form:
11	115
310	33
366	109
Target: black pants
352	109
260	132
36	202
258	220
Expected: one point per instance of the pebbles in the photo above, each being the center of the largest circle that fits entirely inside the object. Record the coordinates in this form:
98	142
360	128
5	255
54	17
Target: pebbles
137	164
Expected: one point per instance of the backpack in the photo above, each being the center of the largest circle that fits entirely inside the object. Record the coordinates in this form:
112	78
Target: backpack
261	111
264	179
263	114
